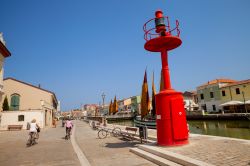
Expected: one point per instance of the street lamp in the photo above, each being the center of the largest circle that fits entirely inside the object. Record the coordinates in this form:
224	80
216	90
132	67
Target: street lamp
104	119
103	97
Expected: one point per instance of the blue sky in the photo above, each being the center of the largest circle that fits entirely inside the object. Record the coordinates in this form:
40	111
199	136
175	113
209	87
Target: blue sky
80	49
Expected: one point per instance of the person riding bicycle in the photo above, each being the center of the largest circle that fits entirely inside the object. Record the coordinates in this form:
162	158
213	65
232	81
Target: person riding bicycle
34	129
69	125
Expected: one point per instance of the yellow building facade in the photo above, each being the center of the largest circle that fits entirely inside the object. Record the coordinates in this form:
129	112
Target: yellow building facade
238	93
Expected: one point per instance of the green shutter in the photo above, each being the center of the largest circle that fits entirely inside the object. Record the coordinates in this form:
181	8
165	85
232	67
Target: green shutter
15	99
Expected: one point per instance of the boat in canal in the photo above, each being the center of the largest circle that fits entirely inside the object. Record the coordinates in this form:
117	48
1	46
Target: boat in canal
149	123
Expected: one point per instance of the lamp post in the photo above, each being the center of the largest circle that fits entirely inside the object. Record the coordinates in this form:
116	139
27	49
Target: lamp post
104	119
103	98
243	94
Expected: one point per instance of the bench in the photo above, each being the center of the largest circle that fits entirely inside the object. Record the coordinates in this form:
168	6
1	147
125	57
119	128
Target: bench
130	133
94	124
15	127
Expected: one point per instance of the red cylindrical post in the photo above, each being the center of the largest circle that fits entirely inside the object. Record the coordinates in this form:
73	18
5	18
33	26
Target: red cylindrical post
165	69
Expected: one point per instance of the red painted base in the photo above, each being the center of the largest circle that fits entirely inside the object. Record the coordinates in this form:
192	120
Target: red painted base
171	120
177	143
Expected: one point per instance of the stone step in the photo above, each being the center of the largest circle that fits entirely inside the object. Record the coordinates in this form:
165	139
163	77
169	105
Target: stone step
153	158
174	157
144	141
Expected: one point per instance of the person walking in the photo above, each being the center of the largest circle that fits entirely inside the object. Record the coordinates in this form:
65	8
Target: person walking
54	122
69	125
33	132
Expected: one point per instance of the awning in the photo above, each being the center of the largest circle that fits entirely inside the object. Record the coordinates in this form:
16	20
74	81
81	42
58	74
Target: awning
232	103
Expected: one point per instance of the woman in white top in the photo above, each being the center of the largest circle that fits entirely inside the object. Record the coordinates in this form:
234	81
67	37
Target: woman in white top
33	128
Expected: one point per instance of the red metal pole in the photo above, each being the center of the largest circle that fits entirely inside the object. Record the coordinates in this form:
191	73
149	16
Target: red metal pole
165	69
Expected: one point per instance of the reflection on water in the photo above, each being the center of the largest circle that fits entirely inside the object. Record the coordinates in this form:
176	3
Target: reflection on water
234	129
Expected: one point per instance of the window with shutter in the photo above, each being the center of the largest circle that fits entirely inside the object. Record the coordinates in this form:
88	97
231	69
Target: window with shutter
14	102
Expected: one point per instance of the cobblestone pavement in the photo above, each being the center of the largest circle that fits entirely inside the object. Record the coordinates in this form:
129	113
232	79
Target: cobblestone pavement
51	149
110	151
220	151
216	150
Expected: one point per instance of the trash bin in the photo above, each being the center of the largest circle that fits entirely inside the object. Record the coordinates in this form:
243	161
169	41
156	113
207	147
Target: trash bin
143	133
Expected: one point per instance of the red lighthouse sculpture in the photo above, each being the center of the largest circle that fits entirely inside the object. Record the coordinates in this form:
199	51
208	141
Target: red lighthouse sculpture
170	114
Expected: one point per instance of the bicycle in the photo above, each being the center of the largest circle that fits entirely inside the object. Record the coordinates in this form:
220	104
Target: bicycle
32	139
103	133
67	133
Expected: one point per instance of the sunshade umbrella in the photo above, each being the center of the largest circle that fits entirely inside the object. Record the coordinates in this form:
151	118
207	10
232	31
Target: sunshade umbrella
232	103
247	102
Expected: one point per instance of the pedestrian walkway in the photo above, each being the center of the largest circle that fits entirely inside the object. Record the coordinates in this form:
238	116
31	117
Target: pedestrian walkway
110	151
219	151
51	149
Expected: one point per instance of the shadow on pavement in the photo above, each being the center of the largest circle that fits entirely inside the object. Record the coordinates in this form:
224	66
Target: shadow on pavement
120	144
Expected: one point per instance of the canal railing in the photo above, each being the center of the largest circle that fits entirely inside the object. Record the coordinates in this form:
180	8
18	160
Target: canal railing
226	116
101	119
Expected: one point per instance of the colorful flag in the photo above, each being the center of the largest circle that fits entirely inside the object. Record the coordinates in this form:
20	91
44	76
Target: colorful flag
145	103
153	111
115	106
110	107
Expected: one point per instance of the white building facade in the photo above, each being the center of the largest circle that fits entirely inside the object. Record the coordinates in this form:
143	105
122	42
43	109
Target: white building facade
4	53
21	118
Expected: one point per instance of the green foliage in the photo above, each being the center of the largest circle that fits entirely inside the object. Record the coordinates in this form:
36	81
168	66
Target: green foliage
6	104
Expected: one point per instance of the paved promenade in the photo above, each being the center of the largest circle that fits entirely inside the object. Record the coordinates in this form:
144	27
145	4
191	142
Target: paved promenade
220	151
53	150
110	151
50	150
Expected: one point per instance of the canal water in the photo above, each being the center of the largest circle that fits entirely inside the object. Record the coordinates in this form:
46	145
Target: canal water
229	128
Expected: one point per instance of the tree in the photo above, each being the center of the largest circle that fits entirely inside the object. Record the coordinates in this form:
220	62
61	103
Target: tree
6	104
